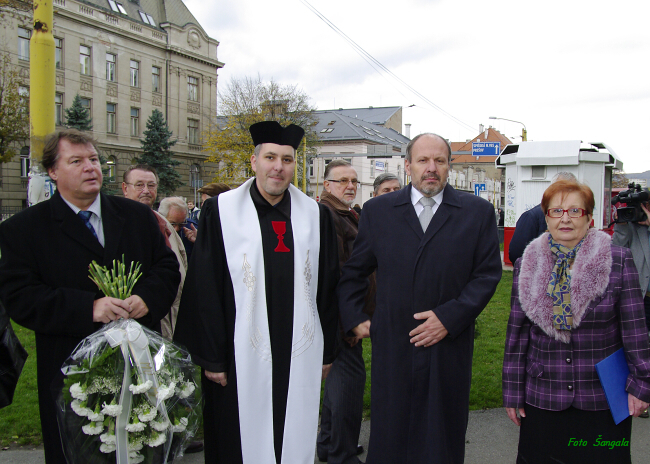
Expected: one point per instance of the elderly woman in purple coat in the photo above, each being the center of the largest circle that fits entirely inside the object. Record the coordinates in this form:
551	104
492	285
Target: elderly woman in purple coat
575	300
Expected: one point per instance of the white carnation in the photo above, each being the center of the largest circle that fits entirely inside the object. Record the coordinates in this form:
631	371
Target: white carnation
181	426
135	445
107	448
93	428
137	427
157	440
186	389
147	416
96	416
112	410
166	392
108	438
80	409
143	387
160	426
135	458
78	392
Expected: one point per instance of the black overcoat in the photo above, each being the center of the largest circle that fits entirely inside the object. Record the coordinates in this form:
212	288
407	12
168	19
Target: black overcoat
44	284
420	395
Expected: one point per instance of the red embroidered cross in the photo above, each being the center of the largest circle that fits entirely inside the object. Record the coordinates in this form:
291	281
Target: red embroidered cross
280	228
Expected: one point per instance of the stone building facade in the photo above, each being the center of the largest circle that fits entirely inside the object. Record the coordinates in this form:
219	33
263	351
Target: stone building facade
125	58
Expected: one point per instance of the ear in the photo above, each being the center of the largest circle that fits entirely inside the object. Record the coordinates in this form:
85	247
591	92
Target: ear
254	163
52	173
123	188
407	166
326	186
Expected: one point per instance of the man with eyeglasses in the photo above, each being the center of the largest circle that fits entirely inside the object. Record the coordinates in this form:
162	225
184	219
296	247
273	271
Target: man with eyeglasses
342	409
140	183
259	312
45	253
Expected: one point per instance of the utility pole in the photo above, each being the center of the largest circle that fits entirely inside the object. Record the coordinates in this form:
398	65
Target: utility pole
42	79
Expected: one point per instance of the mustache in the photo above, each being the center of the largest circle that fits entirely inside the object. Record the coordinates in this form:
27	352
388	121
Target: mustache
431	176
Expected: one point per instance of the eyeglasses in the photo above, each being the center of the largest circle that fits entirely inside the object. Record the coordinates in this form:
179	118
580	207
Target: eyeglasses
179	224
345	181
141	185
572	212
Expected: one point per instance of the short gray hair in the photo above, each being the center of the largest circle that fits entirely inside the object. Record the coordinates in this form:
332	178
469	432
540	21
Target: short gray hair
334	164
385	177
409	147
172	202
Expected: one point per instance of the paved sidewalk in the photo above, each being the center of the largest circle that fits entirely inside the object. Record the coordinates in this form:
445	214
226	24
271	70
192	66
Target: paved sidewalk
491	439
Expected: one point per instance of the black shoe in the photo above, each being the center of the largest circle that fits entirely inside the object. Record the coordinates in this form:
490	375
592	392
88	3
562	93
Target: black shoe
359	449
644	414
323	457
194	447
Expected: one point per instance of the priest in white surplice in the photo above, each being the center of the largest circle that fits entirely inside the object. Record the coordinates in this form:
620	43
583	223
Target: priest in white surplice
259	312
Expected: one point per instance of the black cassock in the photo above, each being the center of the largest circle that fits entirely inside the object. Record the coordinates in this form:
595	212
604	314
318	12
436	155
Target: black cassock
206	317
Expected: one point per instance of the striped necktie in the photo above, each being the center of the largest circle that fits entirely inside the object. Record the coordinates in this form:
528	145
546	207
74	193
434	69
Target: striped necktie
85	215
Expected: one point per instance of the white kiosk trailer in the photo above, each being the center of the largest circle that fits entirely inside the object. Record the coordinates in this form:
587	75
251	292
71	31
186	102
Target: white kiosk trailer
530	167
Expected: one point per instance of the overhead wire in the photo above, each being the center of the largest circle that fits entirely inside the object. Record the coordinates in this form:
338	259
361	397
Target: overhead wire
375	64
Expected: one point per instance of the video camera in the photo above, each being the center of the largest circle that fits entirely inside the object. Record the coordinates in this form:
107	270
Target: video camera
633	197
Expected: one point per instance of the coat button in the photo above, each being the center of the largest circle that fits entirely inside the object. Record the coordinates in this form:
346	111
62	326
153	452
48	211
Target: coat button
568	360
570	388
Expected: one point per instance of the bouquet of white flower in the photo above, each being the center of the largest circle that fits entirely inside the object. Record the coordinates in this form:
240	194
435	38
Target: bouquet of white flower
129	395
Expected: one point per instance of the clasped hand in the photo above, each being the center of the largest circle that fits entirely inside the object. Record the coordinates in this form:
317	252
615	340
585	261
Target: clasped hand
109	309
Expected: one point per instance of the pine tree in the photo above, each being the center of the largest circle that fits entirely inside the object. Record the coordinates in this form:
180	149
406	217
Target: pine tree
78	117
156	152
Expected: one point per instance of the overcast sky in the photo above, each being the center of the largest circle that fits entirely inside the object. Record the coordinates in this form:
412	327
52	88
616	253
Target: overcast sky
569	69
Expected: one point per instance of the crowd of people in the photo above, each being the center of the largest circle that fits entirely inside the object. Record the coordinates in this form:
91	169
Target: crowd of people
272	293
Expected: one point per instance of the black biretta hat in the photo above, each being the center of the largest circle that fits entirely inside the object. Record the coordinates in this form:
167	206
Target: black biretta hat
273	132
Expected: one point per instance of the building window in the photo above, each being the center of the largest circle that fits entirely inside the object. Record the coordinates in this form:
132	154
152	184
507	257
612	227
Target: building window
58	53
24	166
195	176
111	163
117	7
23	43
372	168
135	122
311	167
192	88
111	118
135	73
146	18
58	109
111	61
155	79
84	59
193	131
538	172
85	102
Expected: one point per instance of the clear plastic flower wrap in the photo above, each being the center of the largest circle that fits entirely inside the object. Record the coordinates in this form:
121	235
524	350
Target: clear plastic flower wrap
128	396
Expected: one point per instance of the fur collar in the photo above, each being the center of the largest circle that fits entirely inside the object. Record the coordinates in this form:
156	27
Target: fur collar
589	280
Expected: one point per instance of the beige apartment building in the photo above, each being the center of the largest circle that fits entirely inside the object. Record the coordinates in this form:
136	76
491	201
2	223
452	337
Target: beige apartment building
124	58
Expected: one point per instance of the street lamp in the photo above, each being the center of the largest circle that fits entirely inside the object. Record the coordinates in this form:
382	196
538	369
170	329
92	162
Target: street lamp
524	132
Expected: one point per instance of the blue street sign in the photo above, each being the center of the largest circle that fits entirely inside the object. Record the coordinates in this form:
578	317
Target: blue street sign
486	148
478	188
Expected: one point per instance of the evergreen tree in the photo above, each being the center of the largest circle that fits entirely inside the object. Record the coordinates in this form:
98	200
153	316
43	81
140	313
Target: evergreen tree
78	117
156	152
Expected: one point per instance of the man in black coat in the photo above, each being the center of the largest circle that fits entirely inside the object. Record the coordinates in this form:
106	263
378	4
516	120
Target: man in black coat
436	253
45	253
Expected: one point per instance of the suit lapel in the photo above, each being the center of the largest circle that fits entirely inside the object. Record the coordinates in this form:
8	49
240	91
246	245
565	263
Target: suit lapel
113	222
403	201
73	226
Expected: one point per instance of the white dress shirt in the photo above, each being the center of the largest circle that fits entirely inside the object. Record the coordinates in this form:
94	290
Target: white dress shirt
95	218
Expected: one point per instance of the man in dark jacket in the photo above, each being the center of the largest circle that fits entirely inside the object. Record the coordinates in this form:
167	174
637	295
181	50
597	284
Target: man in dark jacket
45	253
343	397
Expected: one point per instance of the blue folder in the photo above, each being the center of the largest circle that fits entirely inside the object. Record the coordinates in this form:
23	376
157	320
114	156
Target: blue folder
613	373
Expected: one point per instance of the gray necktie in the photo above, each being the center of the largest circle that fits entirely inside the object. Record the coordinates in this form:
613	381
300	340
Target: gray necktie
427	212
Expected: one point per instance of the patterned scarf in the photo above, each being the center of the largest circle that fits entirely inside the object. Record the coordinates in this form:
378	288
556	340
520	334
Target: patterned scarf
559	286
